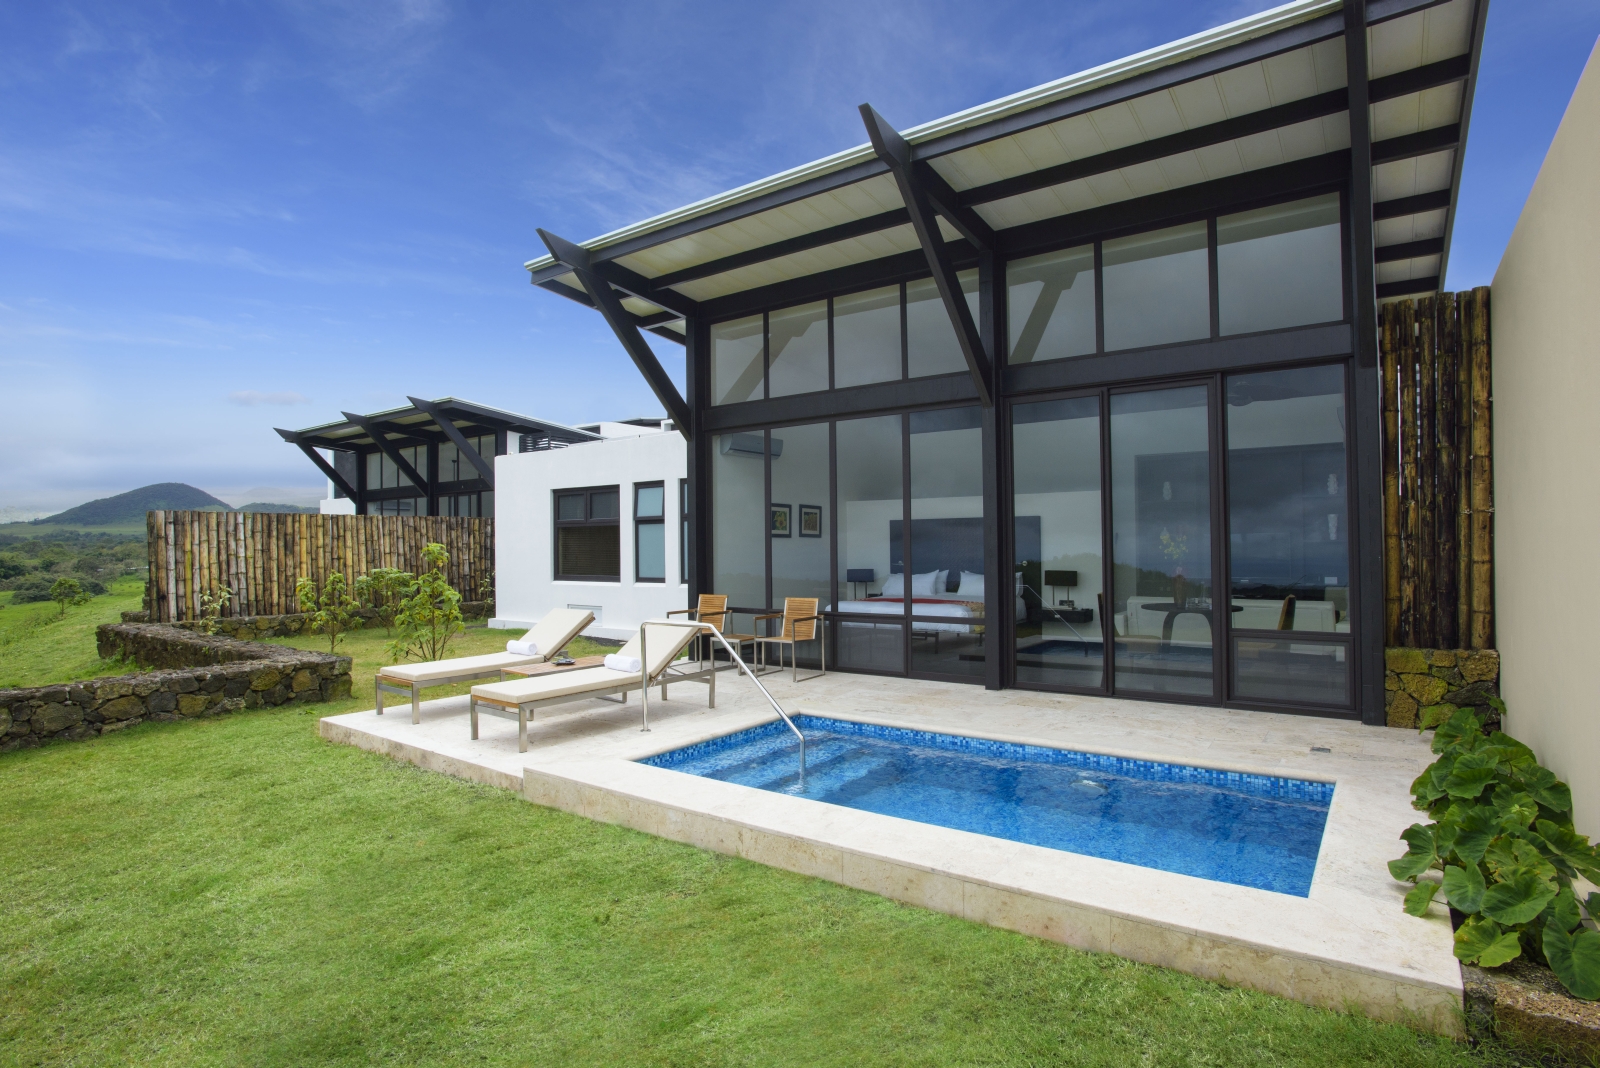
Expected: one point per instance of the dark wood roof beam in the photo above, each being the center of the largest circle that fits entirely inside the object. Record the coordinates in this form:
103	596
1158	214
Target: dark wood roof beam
1422	143
388	448
1409	250
444	423
1400	207
1412	285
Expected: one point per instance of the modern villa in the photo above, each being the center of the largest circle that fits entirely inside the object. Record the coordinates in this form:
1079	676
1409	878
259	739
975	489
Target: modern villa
1093	368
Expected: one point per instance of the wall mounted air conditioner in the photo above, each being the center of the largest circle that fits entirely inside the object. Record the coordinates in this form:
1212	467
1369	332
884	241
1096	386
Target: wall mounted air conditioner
748	445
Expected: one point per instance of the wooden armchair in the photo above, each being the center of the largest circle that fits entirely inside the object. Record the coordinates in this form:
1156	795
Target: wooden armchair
801	623
711	608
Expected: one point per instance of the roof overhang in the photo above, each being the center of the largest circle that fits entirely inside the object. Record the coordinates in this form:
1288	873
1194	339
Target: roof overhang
423	422
1260	103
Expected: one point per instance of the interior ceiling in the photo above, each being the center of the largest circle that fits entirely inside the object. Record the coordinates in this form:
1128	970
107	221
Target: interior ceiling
987	175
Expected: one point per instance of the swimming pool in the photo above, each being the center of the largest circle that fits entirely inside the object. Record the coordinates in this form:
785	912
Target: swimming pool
1250	830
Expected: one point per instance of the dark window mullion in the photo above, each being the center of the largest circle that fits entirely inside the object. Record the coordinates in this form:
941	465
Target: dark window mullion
1211	269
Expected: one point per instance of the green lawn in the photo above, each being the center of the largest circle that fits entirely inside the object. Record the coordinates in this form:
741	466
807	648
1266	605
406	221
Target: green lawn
39	648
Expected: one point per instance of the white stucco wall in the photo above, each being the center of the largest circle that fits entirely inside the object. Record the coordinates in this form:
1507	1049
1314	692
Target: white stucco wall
525	585
1546	355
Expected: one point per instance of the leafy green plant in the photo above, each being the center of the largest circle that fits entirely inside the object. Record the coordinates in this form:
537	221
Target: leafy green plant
382	589
430	615
211	605
1504	845
333	611
66	592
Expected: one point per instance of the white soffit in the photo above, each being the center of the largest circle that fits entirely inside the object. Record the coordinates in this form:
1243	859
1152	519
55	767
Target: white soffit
1410	228
1406	270
1408	177
1423	37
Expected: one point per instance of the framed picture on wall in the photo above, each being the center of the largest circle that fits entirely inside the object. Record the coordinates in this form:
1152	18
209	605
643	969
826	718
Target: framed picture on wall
811	520
779	524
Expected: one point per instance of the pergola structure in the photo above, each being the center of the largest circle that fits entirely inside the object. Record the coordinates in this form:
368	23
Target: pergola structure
1366	99
406	443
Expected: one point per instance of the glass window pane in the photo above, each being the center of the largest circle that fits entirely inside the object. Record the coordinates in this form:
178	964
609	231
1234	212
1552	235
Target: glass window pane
603	504
866	337
648	501
871	511
1280	266
374	471
569	506
486	504
1056	552
1309	672
738	528
1288	511
1161	540
1158	288
802	559
736	360
588	552
798	341
1051	305
652	549
946	575
931	346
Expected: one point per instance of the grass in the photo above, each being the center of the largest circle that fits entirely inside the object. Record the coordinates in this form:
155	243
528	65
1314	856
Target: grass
237	891
40	648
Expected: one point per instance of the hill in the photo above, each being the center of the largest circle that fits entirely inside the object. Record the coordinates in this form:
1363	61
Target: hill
130	507
297	509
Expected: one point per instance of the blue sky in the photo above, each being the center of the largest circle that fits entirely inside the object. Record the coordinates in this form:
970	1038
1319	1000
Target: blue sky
216	218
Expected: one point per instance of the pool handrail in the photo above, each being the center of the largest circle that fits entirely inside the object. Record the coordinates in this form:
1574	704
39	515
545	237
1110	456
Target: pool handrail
737	659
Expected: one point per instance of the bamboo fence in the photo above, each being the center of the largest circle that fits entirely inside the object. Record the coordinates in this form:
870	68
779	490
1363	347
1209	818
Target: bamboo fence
260	555
1438	472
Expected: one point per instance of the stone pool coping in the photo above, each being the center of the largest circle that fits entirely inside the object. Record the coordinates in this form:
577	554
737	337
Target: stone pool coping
1347	946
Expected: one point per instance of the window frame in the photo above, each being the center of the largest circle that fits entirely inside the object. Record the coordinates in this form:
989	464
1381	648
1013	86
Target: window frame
588	521
647	521
683	532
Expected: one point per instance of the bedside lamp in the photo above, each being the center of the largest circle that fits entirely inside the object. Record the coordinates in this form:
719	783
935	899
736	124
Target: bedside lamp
1069	579
863	575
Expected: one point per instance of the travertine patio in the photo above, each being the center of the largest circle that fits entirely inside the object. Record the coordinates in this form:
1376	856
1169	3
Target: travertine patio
1348	945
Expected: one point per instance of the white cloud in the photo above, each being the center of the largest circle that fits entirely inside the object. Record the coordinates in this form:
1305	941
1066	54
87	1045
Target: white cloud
252	398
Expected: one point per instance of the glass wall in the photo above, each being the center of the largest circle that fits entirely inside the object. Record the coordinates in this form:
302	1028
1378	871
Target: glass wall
1056	555
797	339
454	466
1050	305
931	345
800	504
946	573
1157	287
871	506
738	528
866	337
737	359
1161	541
1289	532
1280	266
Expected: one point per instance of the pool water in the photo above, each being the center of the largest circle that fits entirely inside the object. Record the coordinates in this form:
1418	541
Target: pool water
1250	830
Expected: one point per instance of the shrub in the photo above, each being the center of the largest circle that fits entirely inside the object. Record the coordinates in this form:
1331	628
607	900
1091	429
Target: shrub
333	611
35	589
1506	851
66	592
431	613
383	589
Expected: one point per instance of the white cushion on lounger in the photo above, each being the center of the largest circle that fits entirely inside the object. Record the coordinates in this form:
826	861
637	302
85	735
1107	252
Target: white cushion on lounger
462	665
561	684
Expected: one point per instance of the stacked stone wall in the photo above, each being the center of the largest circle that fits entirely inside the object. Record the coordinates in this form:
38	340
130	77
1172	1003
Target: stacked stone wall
1416	680
202	675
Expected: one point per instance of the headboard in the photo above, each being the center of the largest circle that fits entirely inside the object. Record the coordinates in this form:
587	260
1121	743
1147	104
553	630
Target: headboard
954	545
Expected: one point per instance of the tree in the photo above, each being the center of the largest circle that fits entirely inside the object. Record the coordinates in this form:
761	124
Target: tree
431	613
66	591
382	589
333	611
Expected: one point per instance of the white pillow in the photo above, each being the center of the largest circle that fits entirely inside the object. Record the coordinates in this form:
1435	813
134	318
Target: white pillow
971	586
523	648
630	664
894	586
929	584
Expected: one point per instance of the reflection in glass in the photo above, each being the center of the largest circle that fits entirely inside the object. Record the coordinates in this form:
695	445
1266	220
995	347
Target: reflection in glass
1299	672
1157	287
1161	541
736	360
946	574
1051	305
738	525
800	562
1056	552
798	341
931	345
1280	266
1288	511
871	505
866	337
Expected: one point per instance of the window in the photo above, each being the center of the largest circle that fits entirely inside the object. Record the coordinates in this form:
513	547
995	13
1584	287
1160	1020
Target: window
1157	287
454	466
798	341
649	532
403	506
737	359
384	473
683	530
866	337
931	345
586	523
1280	266
1051	305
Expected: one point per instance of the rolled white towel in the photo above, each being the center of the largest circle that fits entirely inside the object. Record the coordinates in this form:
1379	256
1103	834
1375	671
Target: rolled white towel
630	664
523	648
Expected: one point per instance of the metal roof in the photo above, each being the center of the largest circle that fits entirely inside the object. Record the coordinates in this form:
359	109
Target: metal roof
416	422
1267	91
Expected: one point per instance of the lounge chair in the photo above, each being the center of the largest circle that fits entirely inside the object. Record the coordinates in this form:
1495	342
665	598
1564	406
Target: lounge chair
655	647
549	637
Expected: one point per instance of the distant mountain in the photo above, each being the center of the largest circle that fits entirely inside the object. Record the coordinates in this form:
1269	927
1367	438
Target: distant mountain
130	507
297	509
